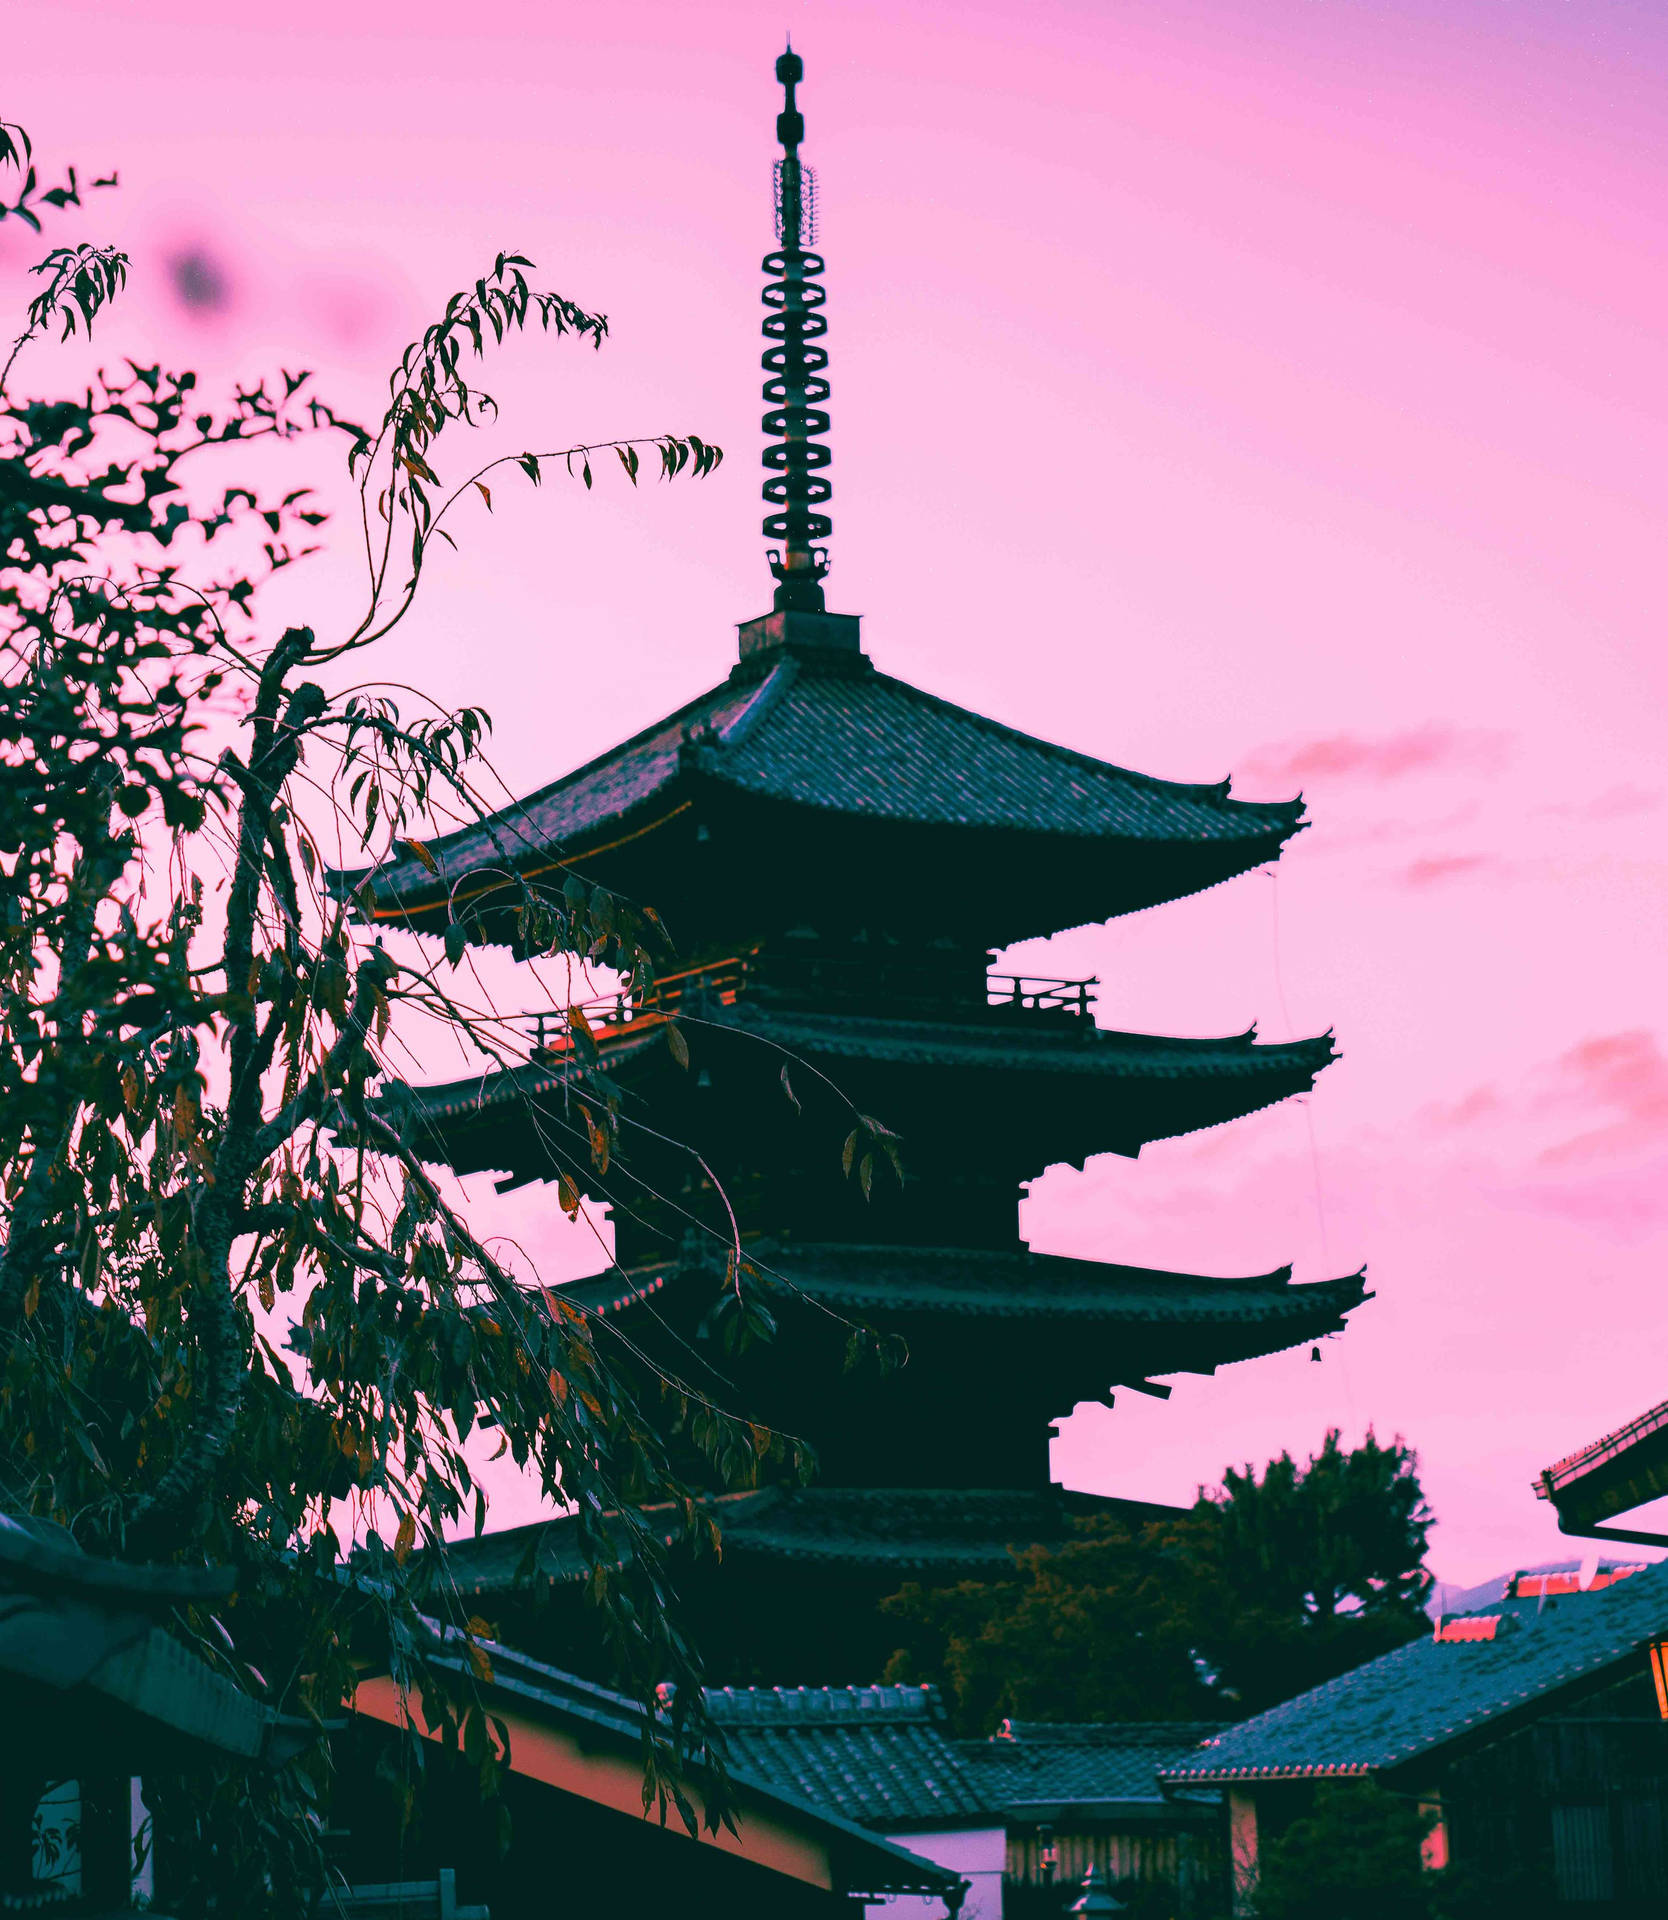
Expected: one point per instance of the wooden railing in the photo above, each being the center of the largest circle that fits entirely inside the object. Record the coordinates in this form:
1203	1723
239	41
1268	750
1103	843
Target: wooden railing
725	980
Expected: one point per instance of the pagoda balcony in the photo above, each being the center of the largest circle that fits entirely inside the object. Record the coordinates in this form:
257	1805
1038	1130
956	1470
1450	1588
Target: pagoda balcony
904	988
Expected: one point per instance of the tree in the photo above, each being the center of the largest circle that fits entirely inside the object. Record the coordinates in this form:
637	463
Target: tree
1268	1586
1354	1856
1097	1629
1308	1571
238	1317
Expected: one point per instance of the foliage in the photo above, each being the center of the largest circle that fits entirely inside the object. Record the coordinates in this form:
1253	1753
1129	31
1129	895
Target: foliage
1092	1630
1309	1571
1354	1857
238	1318
1265	1588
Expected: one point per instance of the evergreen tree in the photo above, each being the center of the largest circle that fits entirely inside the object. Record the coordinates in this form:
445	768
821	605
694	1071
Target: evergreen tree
1269	1585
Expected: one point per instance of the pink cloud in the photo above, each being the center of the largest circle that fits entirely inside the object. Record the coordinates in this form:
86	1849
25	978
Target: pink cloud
1623	1075
1623	1204
1614	804
1481	1105
1391	756
1436	868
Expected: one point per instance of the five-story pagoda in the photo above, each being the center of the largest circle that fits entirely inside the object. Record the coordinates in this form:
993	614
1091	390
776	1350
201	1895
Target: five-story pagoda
838	855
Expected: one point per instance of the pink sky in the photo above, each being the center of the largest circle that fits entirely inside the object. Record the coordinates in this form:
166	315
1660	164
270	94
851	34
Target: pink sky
1218	384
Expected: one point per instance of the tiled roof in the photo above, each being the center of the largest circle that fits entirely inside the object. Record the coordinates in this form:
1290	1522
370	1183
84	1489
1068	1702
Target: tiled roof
1231	1077
860	744
1625	1469
1096	1052
1032	1763
604	1718
902	1530
877	1755
1005	1286
1427	1694
873	745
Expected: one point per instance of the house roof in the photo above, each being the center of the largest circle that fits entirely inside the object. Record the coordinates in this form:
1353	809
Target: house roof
1034	1763
84	1664
1427	1695
564	1702
845	740
878	1755
1623	1470
898	1530
1017	1285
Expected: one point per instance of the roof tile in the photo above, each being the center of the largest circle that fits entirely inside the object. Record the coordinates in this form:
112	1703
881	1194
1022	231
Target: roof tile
1431	1692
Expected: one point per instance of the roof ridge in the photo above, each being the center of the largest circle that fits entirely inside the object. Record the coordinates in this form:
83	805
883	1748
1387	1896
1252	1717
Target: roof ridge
767	695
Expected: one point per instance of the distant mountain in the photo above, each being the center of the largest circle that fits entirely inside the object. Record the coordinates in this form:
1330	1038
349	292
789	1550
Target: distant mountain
1448	1600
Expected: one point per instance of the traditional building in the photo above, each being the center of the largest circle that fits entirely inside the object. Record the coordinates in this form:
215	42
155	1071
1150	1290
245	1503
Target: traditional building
1612	1476
1085	1798
1533	1734
840	857
573	1790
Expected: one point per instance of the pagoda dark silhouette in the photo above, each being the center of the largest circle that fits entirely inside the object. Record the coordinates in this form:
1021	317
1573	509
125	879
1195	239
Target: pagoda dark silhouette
839	857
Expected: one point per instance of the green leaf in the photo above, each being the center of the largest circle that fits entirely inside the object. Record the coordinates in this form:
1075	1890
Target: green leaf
457	938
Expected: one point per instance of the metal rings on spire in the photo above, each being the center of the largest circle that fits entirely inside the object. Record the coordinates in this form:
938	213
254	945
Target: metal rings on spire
795	458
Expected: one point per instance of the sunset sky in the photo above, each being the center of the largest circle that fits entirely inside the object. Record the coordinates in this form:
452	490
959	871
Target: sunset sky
1266	386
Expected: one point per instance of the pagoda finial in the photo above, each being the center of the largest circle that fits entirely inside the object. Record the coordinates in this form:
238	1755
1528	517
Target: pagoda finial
795	458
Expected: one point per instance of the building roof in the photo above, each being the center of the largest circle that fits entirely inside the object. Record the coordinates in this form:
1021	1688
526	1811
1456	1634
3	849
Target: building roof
1018	1285
614	1724
1625	1469
1433	1692
907	1530
851	742
1035	1763
1081	1049
878	1755
1551	1576
87	1669
1119	1091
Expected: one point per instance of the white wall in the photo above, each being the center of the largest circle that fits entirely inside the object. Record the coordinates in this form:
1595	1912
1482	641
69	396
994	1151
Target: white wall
976	1853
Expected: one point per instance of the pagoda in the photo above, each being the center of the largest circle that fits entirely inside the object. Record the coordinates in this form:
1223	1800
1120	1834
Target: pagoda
839	857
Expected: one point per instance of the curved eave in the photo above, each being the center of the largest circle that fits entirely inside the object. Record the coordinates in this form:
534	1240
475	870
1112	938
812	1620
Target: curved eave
407	895
1127	1296
1284	1068
855	754
1100	1052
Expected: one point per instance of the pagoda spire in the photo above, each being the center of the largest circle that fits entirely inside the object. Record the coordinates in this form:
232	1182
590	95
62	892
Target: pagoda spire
796	457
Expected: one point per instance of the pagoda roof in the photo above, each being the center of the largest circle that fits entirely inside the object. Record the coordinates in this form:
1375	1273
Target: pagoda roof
967	1533
1625	1469
1017	1285
841	740
1210	1080
1081	1049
